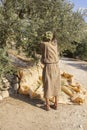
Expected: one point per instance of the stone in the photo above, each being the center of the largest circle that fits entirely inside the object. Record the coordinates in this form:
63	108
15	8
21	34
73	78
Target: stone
1	98
16	86
80	126
5	94
31	84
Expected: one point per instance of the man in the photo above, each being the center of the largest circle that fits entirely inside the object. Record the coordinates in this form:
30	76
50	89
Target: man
51	72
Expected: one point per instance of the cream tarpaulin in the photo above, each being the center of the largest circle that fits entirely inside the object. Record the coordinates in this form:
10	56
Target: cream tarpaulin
31	84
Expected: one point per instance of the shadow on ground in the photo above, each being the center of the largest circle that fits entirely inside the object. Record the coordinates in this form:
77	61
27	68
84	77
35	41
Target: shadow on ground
25	98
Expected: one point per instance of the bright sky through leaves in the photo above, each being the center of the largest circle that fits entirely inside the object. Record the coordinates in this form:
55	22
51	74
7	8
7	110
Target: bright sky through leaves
79	4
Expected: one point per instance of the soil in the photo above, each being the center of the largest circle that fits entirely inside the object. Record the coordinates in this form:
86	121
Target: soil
19	112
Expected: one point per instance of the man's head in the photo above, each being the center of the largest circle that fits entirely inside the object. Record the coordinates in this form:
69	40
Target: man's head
49	35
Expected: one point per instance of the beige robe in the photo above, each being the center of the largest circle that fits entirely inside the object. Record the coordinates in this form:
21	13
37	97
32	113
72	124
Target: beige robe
51	72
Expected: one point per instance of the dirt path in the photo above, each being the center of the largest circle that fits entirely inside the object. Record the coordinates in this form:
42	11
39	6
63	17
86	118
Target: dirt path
21	113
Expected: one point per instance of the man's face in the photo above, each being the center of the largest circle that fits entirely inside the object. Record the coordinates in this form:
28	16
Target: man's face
49	35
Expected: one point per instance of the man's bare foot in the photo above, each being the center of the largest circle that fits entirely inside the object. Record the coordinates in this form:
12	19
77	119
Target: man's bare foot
54	106
47	107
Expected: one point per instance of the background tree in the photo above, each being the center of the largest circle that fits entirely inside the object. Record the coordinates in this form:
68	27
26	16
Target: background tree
23	23
81	52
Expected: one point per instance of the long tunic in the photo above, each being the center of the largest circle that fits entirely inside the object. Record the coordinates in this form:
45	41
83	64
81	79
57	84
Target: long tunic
51	72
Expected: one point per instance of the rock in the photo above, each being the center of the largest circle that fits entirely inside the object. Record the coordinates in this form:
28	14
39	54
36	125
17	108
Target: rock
80	126
0	92
0	86
30	80
5	94
4	88
4	84
78	98
11	91
16	86
1	98
7	85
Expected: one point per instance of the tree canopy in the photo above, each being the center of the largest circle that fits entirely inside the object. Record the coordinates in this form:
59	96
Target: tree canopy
23	23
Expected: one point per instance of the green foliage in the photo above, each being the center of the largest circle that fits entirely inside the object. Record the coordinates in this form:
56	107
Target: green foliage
82	50
23	23
5	64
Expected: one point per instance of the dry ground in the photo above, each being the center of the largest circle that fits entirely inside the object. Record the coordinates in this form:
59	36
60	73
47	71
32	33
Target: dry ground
21	113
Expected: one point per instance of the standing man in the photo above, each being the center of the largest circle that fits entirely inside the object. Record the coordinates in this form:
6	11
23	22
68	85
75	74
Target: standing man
51	72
